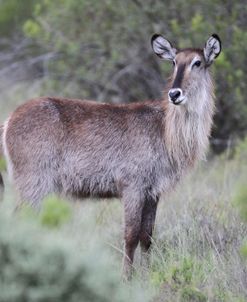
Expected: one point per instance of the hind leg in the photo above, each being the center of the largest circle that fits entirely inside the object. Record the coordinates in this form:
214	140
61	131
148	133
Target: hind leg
147	226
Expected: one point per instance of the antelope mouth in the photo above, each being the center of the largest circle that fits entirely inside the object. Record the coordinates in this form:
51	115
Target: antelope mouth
179	101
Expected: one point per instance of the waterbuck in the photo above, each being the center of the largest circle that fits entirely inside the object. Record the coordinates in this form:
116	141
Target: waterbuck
134	151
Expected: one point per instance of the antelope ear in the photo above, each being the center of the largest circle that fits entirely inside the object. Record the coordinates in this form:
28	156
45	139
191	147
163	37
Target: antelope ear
163	48
212	49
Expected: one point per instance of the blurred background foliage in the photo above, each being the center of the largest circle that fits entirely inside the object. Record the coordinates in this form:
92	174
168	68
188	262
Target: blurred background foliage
101	50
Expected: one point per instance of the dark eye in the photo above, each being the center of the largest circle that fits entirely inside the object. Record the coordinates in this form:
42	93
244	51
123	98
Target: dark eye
173	63
197	63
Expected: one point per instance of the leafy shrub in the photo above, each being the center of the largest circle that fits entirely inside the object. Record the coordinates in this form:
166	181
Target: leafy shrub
40	265
55	212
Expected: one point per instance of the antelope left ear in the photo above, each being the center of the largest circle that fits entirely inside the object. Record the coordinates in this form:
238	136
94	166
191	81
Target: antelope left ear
212	49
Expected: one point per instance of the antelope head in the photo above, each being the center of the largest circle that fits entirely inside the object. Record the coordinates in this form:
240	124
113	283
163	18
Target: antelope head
190	74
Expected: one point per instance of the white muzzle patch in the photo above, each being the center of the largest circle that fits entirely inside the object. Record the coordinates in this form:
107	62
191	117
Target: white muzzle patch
176	96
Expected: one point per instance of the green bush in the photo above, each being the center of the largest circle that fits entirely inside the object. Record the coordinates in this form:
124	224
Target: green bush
40	265
55	212
13	14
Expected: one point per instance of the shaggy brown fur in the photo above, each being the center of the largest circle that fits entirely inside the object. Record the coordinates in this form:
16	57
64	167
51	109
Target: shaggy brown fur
134	151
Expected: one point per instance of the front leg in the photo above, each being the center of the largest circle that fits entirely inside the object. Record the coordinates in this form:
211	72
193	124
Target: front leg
133	206
147	226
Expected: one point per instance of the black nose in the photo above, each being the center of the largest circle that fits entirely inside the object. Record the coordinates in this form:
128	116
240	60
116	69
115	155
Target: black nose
174	94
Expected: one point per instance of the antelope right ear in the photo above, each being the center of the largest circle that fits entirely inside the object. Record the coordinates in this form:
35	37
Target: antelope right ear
212	49
163	48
